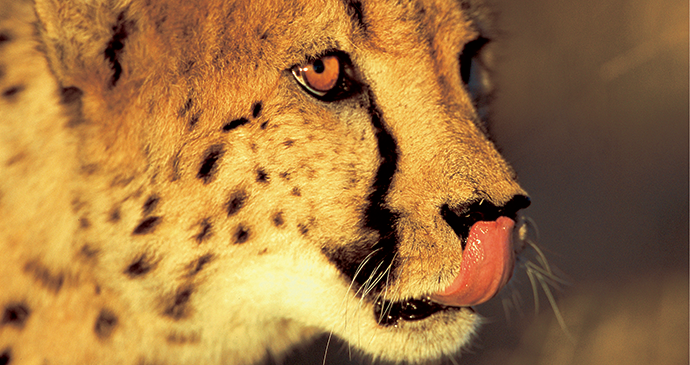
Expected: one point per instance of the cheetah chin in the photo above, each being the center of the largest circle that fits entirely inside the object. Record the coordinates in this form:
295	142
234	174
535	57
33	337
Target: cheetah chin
218	181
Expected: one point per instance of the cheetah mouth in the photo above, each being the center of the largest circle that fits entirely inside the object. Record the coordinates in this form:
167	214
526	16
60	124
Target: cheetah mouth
486	267
390	313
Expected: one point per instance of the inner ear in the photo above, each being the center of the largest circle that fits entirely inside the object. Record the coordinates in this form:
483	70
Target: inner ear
84	45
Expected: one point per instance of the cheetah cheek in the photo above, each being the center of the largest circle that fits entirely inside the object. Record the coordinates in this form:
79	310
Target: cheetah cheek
487	265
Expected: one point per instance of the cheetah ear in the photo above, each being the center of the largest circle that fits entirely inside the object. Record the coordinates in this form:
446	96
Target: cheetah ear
84	40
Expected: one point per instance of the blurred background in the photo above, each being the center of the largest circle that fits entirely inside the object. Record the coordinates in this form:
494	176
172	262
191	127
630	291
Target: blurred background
592	111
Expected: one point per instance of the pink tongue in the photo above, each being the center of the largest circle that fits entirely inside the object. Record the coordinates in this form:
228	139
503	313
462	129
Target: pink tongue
487	264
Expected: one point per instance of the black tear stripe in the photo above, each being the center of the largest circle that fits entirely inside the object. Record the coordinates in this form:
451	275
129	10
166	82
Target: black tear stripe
379	254
116	45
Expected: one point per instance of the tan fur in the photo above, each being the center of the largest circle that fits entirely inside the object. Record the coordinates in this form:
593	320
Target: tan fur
76	176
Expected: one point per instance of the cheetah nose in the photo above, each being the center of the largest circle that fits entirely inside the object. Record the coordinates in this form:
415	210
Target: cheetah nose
481	211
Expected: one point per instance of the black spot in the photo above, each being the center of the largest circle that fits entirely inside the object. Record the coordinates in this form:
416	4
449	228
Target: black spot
236	202
88	252
261	175
194	120
150	204
176	338
84	223
16	314
186	107
89	169
303	229
70	95
186	67
175	162
147	225
288	143
105	324
278	219
241	235
121	181
44	277
206	231
263	125
114	216
11	92
296	191
178	305
4	37
140	266
116	45
234	124
198	265
256	110
6	356
77	204
209	165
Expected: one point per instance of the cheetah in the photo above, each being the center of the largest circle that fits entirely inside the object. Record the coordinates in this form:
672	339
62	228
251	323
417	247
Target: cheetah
217	181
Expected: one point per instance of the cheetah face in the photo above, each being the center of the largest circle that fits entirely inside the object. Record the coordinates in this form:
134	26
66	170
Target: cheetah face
233	177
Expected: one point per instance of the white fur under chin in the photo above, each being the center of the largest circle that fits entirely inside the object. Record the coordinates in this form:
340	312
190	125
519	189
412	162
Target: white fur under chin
297	299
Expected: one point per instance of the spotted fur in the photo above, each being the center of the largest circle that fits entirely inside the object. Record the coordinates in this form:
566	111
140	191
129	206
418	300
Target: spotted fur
171	194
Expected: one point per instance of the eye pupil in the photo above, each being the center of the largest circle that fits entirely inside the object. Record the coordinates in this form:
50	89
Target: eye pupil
319	66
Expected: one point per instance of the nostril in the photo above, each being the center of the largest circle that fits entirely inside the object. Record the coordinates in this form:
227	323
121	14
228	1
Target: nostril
462	218
518	202
460	225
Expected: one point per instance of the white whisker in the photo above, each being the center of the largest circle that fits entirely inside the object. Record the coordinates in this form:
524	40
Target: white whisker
540	273
344	302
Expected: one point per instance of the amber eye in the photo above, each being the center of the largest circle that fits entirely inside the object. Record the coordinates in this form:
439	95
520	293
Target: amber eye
320	76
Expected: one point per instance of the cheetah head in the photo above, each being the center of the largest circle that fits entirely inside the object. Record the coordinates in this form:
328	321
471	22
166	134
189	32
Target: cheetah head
250	173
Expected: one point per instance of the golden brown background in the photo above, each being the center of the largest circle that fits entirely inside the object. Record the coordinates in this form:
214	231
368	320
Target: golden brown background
592	110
